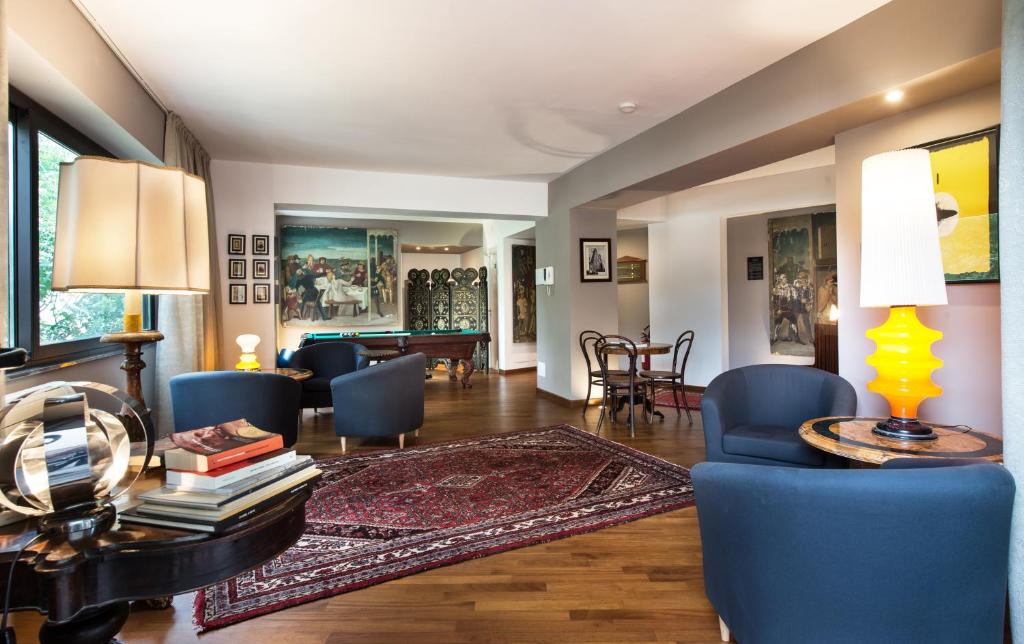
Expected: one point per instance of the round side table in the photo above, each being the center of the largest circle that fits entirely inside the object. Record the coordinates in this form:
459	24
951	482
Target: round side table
852	438
379	355
297	374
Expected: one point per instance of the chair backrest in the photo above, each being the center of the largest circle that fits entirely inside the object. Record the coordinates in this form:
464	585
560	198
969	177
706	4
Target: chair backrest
683	345
608	345
780	394
852	556
588	339
269	401
330	359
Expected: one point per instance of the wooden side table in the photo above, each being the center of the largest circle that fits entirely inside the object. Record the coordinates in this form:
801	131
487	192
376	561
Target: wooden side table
852	438
296	374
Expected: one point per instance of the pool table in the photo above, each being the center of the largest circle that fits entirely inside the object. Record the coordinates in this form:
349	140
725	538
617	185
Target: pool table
454	346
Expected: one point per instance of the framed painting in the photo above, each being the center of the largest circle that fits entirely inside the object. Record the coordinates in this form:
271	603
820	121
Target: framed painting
236	244
965	174
236	294
236	269
524	294
261	244
595	260
261	293
791	288
261	269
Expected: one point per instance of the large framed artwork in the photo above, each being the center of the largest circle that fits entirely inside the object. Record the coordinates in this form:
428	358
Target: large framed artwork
524	294
595	260
803	286
339	277
965	174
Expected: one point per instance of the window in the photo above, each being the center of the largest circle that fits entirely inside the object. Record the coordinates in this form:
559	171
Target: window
53	326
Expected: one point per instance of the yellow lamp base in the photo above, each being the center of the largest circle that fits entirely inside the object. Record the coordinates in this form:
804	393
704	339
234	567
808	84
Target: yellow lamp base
247	362
904	361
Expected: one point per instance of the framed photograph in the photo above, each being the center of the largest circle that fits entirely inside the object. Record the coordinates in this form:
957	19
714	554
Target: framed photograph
236	293
236	244
261	293
595	260
261	244
260	268
236	269
965	176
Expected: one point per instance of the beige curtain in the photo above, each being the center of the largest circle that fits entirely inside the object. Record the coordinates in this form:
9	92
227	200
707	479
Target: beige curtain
5	338
189	323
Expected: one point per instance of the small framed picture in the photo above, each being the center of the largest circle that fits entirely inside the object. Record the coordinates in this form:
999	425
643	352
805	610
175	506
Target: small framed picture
595	260
236	293
236	244
236	269
260	268
261	244
261	293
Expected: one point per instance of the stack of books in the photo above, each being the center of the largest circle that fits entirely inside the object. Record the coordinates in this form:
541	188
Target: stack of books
220	476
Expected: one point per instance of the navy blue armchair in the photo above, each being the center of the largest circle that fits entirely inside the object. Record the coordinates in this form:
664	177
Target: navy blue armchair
854	556
753	414
267	400
327	361
383	400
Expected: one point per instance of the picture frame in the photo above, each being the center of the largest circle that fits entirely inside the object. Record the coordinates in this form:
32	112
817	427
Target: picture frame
261	244
596	263
261	293
260	268
236	244
236	269
237	294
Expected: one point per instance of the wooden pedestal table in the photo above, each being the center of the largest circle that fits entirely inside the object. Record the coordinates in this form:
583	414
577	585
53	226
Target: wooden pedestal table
852	438
642	349
133	364
85	586
295	374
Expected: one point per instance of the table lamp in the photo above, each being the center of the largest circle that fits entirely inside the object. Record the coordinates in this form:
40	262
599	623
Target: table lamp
901	268
130	227
247	361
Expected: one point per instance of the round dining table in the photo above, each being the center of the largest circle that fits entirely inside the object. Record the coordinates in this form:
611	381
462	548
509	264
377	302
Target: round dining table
642	349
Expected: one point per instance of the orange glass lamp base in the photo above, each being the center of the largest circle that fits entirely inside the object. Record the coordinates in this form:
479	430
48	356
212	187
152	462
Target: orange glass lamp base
904	361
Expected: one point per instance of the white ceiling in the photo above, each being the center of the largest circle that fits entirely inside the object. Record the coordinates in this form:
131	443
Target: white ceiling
523	89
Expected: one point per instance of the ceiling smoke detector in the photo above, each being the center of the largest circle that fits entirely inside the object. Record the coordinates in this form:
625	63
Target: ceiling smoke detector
628	107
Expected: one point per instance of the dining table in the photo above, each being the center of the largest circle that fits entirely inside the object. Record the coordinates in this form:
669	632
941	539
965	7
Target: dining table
642	349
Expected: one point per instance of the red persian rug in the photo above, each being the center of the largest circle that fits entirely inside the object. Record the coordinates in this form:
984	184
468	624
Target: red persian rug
664	399
385	515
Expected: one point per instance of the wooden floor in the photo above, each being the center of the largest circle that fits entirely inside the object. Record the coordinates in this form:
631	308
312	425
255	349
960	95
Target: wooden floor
639	582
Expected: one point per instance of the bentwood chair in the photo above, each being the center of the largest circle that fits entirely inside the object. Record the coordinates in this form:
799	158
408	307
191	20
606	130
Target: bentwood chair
616	386
913	553
268	401
674	380
587	340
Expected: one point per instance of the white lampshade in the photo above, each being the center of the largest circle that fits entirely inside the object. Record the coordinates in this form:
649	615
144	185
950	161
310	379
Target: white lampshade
900	258
129	225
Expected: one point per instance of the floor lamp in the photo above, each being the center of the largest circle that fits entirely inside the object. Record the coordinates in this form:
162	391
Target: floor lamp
130	227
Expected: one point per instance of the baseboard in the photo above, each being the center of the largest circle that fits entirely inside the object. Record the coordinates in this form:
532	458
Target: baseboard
565	402
506	372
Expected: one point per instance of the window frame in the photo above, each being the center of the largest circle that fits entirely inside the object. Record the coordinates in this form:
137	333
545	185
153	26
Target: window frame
30	119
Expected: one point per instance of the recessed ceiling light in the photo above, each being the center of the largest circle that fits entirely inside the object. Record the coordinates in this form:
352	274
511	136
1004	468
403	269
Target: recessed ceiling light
417	248
894	96
628	107
446	248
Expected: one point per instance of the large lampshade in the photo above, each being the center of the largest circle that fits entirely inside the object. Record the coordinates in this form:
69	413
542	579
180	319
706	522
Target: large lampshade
130	226
901	262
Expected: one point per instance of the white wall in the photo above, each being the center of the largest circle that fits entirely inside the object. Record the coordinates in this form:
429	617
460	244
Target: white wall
971	376
634	298
687	270
246	195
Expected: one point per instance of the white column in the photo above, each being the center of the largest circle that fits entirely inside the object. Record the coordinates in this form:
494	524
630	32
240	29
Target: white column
1011	248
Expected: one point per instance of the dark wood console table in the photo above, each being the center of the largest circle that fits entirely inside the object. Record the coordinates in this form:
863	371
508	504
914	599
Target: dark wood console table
85	587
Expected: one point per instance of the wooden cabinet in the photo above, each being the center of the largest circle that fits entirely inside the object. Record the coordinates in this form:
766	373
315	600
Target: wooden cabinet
631	269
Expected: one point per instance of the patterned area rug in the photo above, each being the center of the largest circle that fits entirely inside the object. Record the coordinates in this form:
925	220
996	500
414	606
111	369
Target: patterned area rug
385	515
664	399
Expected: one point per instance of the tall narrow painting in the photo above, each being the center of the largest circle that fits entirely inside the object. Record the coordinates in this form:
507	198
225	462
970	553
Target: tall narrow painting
792	293
524	294
339	277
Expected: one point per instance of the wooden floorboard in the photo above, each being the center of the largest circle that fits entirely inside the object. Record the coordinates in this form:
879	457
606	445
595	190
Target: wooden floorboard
638	582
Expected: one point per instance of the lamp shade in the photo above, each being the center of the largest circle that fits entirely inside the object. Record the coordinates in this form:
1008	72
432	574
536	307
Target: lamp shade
901	262
129	225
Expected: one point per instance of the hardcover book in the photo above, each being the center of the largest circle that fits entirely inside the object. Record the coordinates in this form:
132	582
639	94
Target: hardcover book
229	475
209	448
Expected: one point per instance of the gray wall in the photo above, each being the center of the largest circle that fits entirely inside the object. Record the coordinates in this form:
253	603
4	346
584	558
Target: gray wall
634	299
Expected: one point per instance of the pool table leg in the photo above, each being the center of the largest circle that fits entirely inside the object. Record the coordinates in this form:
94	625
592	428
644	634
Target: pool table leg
467	370
453	368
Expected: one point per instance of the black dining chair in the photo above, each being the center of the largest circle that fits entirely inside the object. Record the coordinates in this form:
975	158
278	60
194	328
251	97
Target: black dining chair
620	386
594	377
674	379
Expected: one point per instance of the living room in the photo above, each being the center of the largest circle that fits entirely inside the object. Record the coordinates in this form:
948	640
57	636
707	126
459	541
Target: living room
512	322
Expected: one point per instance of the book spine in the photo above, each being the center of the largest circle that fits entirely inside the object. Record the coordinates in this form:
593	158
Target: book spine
198	481
235	519
230	456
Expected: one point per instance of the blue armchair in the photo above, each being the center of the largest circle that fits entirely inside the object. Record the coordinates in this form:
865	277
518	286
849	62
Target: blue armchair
327	361
384	400
853	556
753	414
267	400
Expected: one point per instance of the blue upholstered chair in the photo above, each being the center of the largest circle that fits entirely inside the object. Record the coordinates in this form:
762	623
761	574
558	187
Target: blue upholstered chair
753	414
327	361
914	555
267	400
383	400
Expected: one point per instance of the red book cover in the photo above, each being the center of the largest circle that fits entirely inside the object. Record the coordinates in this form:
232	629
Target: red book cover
209	448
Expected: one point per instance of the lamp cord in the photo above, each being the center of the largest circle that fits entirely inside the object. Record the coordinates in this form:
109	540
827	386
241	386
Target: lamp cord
7	634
